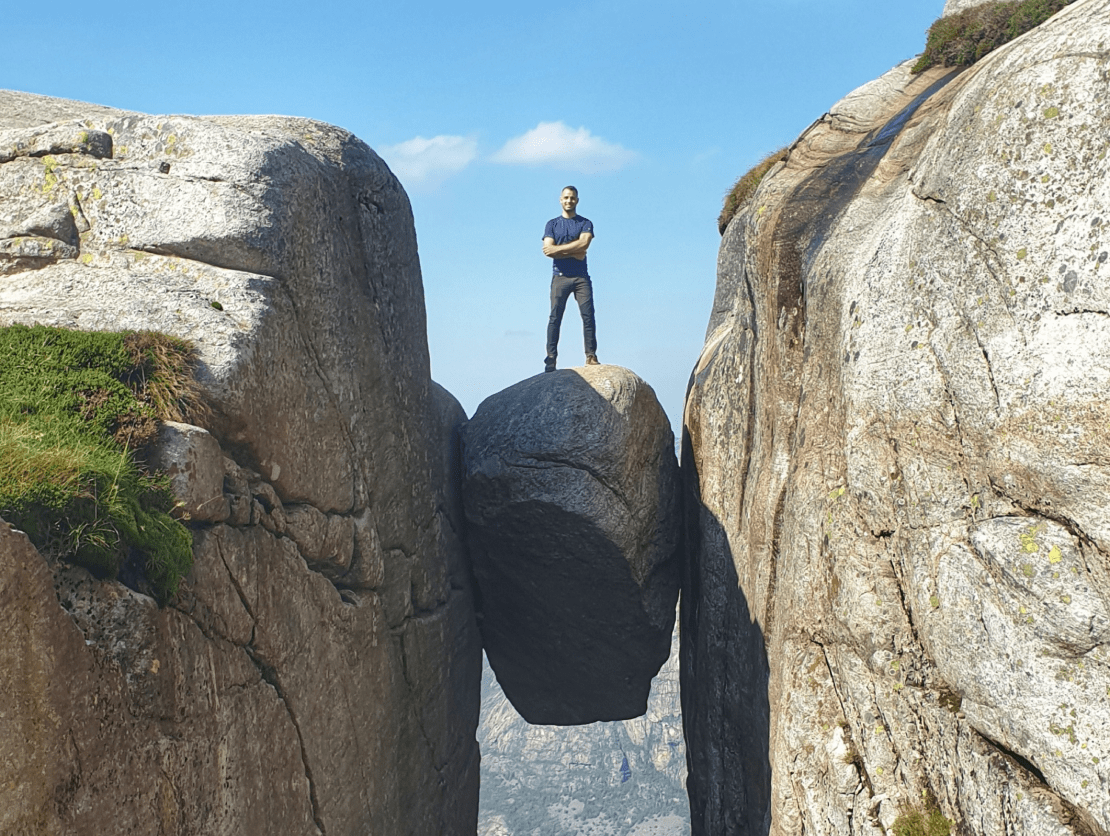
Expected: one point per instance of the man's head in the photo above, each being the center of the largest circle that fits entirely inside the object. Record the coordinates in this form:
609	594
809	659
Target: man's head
568	200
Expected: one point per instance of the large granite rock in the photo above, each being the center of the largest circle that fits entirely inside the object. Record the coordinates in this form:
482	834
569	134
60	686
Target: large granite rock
899	574
571	493
320	670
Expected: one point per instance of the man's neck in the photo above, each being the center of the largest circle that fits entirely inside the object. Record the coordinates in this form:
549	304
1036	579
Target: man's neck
569	215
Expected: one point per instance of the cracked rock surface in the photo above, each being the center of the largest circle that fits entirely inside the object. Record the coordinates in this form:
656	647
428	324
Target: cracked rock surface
320	670
571	493
898	583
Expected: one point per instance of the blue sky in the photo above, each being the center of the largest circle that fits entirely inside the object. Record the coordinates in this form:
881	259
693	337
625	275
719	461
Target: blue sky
486	110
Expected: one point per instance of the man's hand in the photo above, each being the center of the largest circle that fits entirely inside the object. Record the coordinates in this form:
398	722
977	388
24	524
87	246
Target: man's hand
576	249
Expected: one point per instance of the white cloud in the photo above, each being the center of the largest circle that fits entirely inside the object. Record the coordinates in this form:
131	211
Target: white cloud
428	162
553	143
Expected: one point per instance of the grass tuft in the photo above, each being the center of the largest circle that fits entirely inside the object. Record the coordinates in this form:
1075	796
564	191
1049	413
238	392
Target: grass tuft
76	409
743	189
961	39
164	376
915	821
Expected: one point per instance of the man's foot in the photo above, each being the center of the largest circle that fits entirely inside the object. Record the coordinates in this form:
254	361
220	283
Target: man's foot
591	360
549	364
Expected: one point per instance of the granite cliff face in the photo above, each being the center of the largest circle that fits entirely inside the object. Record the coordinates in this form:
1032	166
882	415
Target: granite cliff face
898	582
320	671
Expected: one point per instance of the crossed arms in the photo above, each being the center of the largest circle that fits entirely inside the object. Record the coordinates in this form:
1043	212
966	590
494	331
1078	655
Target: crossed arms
575	249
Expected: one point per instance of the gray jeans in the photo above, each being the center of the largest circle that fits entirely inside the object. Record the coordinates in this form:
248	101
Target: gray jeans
561	289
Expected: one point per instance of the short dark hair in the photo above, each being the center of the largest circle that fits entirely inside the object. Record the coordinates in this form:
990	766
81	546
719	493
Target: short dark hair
572	188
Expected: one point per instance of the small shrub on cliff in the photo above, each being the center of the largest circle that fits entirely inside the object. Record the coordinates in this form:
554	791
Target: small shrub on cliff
76	410
162	375
928	822
745	187
961	39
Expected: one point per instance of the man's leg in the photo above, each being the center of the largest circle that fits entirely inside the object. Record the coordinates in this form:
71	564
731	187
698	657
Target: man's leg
584	295
561	288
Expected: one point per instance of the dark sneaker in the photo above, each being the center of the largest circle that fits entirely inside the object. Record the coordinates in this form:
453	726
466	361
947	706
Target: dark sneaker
591	360
549	364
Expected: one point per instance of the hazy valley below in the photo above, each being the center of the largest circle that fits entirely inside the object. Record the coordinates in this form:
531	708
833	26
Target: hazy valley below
623	778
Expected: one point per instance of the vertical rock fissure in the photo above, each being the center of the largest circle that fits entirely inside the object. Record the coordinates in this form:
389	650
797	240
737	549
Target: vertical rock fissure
269	676
749	380
987	361
896	568
773	569
78	775
857	759
956	417
398	634
993	267
428	743
235	582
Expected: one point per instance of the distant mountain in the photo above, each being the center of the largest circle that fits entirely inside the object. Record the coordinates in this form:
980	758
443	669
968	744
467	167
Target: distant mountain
603	779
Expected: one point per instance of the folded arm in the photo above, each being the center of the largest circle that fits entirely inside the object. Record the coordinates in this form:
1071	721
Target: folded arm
575	249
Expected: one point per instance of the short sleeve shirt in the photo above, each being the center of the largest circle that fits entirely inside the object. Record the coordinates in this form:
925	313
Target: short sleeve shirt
563	231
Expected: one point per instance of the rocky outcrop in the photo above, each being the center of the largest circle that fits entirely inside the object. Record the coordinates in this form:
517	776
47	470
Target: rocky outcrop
898	590
951	7
320	670
571	493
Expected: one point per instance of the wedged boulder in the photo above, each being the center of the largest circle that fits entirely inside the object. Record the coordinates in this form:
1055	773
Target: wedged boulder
899	579
572	505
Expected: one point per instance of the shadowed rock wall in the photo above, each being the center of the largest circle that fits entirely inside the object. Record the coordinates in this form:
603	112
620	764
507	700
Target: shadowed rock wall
899	575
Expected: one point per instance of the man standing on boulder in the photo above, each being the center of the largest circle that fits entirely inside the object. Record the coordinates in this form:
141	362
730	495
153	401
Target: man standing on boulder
565	240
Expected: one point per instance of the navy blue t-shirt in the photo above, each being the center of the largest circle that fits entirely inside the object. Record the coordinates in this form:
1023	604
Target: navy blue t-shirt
563	231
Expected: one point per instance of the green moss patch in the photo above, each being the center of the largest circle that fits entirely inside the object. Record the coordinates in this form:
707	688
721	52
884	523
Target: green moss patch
77	410
917	822
743	189
961	39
